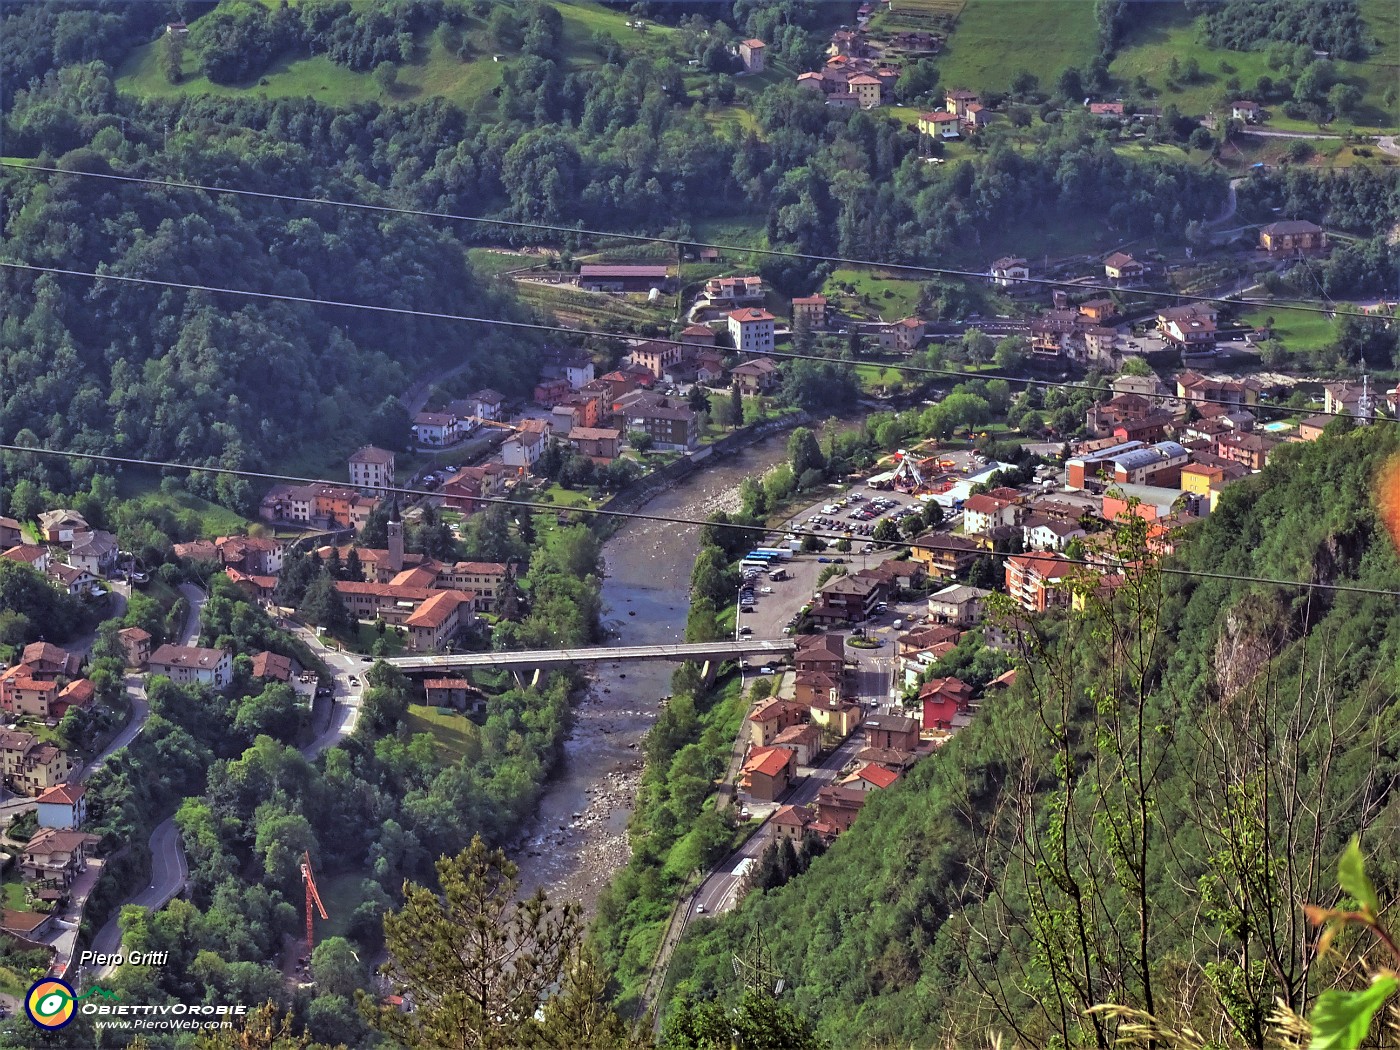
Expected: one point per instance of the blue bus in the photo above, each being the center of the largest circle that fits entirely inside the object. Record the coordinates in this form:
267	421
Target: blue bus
764	556
778	553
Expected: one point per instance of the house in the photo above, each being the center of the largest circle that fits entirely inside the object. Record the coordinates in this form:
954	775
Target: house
901	578
838	717
982	513
371	470
767	772
1098	310
945	555
1312	428
820	652
526	445
772	717
598	444
958	604
49	662
1292	235
1045	534
1034	580
191	663
792	823
701	334
867	90
671	426
940	124
94	552
848	599
805	740
55	857
1248	450
657	356
1121	266
870	777
1151	427
757	376
1106	110
61	526
11	533
1352	399
1190	329
899	732
839	806
63	806
900	337
810	310
751	330
1010	270
484	580
608	277
551	392
435	428
466	489
1208	480
977	116
1236	393
23	694
136	642
1101	419
274	667
574	366
957	101
943	700
259	555
29	767
437	619
36	557
812	81
456	693
732	291
1247	111
490	404
69	579
751	54
899	760
710	370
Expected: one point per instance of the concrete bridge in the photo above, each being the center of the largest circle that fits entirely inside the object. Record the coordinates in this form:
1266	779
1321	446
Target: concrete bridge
527	659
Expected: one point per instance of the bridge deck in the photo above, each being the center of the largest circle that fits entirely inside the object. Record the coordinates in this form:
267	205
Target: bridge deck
599	653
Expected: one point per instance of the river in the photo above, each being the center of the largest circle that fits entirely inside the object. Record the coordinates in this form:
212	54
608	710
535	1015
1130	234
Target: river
579	837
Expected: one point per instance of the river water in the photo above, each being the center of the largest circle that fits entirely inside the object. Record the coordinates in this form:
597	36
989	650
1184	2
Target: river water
578	839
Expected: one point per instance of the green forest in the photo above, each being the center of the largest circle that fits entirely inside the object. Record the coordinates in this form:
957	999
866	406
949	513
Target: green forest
1171	780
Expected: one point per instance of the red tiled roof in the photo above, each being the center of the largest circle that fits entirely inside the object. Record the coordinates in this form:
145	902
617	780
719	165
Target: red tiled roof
878	775
63	794
770	761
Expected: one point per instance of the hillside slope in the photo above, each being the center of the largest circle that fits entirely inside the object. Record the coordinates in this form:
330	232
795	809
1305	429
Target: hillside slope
947	911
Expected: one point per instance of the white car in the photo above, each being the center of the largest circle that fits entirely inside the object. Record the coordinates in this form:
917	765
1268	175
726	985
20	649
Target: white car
765	670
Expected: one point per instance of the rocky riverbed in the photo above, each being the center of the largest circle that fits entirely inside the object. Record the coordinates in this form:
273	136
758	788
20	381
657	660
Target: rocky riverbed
578	840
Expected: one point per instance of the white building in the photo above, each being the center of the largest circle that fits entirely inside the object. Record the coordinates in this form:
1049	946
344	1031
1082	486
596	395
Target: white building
751	329
372	470
190	663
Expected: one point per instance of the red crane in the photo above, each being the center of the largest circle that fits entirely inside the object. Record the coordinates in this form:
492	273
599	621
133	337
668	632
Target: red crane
312	897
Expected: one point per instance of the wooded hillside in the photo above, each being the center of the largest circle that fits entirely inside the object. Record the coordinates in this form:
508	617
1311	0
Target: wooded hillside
1160	796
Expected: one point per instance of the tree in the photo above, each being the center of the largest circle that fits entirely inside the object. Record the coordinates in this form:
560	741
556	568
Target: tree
978	346
757	1022
1135	366
1343	99
736	405
1201	139
804	452
640	440
322	604
577	1016
1010	354
933	514
475	961
386	75
886	531
336	969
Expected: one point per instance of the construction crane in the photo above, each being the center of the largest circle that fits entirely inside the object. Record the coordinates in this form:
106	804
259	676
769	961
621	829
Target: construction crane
313	896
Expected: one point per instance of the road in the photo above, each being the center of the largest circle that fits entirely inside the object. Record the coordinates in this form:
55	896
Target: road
168	874
196	598
720	891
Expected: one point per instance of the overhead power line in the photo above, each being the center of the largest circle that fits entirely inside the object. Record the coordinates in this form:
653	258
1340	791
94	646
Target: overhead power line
534	326
666	519
1306	306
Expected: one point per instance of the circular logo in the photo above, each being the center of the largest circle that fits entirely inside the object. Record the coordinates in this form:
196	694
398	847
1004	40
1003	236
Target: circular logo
50	1003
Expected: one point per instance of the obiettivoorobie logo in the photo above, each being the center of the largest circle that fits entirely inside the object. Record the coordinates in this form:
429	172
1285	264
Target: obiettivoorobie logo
51	1003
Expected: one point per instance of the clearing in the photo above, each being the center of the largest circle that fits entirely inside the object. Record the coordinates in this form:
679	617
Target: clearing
986	48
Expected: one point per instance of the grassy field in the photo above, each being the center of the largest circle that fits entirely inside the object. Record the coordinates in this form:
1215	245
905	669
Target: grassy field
996	39
341	895
1295	329
876	294
491	261
454	741
142	488
874	376
436	72
1164	31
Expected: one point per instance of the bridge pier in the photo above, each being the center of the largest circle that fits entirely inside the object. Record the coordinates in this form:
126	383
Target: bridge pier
535	678
707	672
